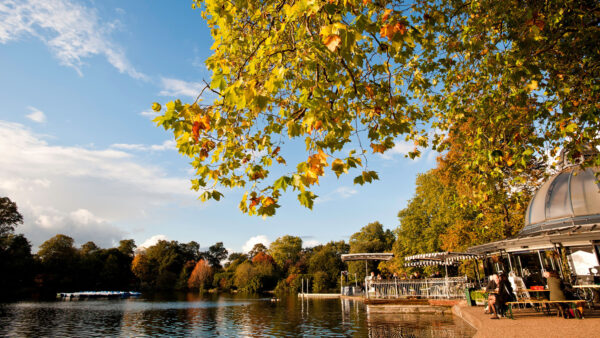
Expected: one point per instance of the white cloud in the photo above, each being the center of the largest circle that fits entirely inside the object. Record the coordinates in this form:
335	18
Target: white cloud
400	148
339	193
42	223
149	114
80	190
311	243
255	240
175	87
71	31
36	115
152	241
166	145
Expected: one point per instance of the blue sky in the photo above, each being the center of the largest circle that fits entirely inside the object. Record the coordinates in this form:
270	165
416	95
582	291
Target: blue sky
80	155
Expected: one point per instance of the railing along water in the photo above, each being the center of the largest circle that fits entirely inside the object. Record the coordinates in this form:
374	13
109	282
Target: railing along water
451	287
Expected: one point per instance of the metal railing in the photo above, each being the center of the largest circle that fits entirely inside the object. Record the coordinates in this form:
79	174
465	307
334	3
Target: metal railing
451	287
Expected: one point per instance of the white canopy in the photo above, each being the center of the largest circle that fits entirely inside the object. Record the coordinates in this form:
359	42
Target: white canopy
445	257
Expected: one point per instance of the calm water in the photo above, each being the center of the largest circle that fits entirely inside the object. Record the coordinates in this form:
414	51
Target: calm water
232	316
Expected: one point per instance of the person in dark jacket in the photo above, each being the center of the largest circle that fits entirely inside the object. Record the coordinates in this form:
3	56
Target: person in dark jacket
504	295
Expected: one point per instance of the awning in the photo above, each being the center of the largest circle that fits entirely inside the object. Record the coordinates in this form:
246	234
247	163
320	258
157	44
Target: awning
446	256
428	262
367	257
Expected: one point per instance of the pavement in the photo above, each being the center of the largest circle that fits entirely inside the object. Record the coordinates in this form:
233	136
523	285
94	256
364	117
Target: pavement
529	323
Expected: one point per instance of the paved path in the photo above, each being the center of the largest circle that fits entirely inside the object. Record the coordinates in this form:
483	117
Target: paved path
528	323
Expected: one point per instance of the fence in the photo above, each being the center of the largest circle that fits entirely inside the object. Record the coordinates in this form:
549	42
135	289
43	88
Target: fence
451	287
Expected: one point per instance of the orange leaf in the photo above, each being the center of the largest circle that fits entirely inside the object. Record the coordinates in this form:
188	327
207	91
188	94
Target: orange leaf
196	131
386	14
254	201
370	91
378	148
399	28
276	151
332	42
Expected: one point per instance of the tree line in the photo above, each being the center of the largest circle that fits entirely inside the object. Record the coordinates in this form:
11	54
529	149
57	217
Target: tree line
438	217
61	266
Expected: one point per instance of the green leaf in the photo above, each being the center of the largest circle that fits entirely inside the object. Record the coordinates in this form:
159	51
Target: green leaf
307	199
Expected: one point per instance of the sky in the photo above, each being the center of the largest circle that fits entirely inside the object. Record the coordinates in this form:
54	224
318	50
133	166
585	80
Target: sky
80	155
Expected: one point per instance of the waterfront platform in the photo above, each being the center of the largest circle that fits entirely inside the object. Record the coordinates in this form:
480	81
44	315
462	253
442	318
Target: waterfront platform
319	295
528	323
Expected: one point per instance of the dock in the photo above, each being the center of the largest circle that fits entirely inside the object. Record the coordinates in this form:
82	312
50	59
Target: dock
97	294
319	295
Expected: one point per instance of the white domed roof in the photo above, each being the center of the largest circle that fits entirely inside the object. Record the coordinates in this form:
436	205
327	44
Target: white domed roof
571	197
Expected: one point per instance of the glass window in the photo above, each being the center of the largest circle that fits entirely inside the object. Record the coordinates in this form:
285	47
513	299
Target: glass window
583	259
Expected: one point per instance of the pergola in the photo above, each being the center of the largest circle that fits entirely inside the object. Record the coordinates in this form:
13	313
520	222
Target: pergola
383	256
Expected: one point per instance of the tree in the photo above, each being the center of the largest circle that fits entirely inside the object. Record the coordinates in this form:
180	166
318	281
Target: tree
59	259
258	247
215	254
191	251
326	263
201	276
438	218
9	216
17	266
510	81
262	257
370	238
286	250
88	248
127	247
143	269
235	259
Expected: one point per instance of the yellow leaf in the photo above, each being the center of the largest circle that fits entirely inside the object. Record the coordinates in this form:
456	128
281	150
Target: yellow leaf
268	201
533	85
332	42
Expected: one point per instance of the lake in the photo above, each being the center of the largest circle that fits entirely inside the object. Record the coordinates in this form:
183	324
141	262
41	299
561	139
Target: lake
217	315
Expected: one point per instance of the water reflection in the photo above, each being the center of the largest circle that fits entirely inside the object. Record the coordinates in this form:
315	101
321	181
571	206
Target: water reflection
230	316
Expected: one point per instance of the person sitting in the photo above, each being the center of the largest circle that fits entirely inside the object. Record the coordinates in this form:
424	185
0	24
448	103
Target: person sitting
415	275
491	289
504	295
556	287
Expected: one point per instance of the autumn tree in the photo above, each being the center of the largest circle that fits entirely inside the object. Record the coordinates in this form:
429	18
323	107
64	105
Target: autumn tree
201	276
510	81
143	269
258	247
262	257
